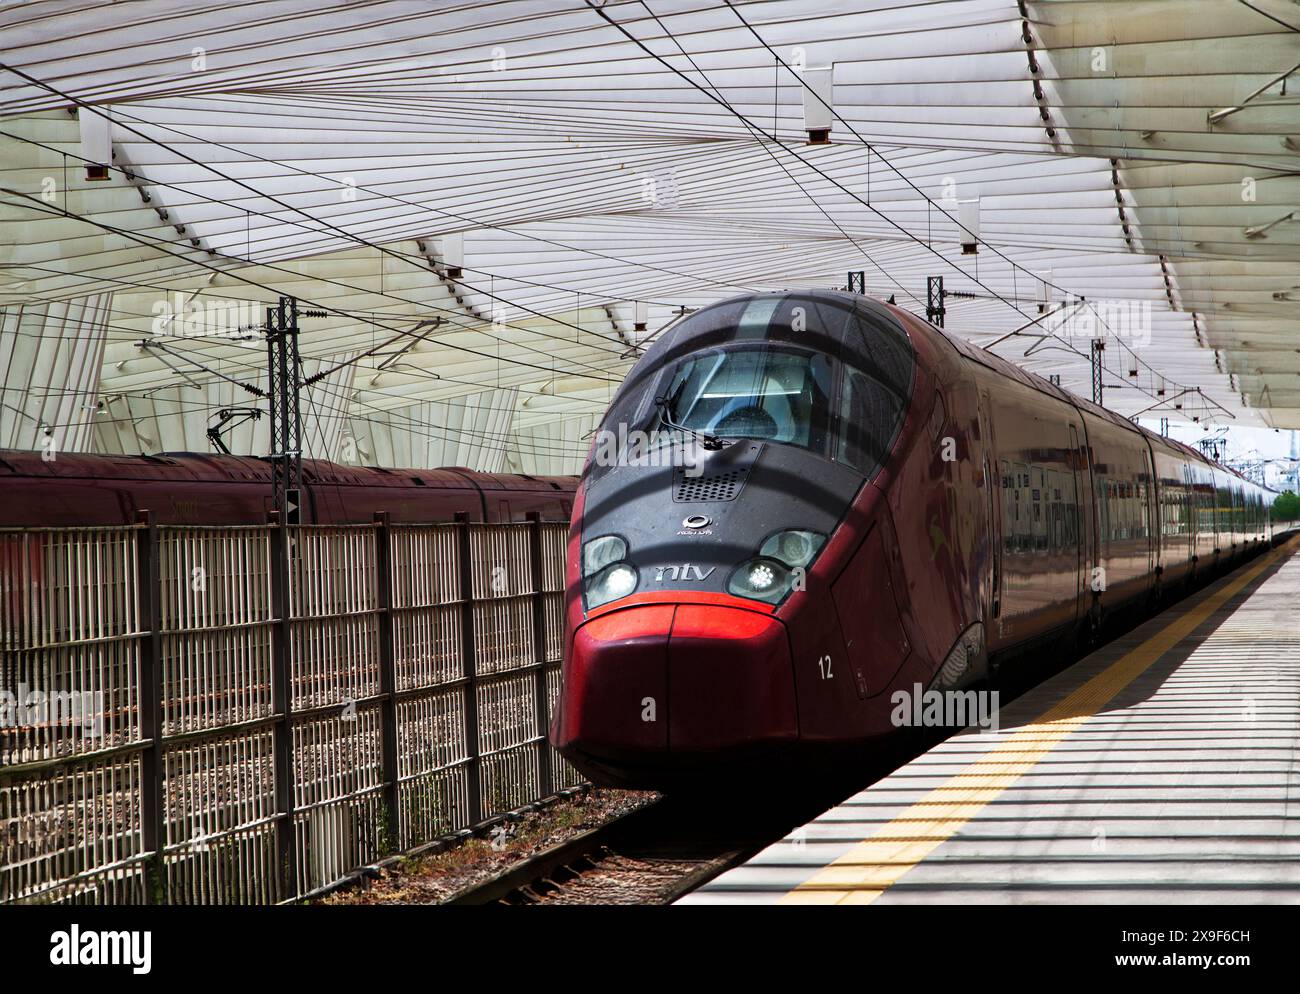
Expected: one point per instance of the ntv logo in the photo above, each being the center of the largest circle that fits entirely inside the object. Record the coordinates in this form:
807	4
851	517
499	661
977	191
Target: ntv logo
686	572
92	948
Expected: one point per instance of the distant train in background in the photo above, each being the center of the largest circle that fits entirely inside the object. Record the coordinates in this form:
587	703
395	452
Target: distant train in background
191	488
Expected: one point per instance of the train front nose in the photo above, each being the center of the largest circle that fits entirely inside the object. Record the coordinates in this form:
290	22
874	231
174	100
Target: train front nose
655	689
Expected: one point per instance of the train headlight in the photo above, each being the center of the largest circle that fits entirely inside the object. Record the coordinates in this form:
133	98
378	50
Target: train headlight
761	579
611	583
778	568
602	552
794	548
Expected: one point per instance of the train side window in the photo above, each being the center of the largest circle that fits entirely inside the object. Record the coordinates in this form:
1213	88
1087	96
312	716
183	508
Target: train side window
1052	509
1114	510
1103	525
1027	537
1062	511
1024	527
1017	496
1063	507
1116	495
1106	502
867	421
1039	488
1008	509
1054	528
1071	508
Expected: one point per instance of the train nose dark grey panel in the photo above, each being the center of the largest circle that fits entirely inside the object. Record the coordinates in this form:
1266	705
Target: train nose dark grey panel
719	476
725	485
747	491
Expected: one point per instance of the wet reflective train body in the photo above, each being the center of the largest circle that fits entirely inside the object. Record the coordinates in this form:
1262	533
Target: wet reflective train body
800	503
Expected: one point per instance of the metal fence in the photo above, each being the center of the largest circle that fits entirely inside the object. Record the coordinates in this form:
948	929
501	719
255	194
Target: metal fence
245	714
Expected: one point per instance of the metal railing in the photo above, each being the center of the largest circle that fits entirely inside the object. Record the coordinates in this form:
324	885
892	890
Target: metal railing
246	714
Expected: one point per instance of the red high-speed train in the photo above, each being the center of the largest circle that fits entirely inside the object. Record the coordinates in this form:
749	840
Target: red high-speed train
831	500
190	488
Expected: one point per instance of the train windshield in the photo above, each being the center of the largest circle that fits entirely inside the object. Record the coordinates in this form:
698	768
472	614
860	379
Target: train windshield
827	371
759	393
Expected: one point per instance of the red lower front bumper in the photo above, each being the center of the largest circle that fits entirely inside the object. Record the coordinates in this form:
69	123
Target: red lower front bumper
659	688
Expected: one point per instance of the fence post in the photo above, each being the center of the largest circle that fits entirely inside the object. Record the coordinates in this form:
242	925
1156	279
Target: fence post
387	676
153	810
282	704
545	782
470	668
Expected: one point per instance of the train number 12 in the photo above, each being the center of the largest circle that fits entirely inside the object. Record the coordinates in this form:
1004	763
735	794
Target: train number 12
824	664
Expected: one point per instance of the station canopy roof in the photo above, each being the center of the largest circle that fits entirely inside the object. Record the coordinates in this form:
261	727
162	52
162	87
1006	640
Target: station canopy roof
493	204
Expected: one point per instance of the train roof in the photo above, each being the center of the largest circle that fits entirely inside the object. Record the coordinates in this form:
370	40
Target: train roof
995	362
206	467
757	317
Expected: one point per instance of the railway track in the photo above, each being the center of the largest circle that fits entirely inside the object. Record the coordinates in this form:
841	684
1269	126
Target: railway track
658	852
648	856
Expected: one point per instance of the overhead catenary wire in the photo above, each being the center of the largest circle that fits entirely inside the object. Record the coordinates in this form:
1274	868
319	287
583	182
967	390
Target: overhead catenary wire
775	139
400	122
250	189
158	243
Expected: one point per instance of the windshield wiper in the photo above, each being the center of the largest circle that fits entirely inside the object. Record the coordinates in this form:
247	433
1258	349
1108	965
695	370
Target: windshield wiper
710	442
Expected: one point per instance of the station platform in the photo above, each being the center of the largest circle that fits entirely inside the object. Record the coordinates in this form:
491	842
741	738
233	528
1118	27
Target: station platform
1162	768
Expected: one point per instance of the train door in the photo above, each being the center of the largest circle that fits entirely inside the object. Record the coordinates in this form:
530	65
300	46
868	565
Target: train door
993	503
1151	511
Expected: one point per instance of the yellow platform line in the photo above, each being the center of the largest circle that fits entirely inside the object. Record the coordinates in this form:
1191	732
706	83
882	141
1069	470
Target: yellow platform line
864	873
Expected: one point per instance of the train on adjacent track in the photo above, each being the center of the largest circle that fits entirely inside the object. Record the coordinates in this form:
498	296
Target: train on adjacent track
856	504
190	488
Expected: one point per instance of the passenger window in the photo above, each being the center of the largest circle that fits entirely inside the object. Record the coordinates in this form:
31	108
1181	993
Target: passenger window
1104	489
1024	510
1040	509
1071	508
1052	498
1008	509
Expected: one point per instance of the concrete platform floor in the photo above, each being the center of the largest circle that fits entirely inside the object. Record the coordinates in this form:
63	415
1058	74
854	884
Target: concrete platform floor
1163	768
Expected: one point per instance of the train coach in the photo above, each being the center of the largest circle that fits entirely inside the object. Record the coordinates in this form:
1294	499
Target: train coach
96	491
857	504
188	488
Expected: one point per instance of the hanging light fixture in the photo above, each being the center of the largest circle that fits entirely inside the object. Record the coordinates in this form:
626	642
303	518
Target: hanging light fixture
818	103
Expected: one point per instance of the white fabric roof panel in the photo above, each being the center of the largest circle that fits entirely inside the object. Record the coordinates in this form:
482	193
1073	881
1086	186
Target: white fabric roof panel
330	152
